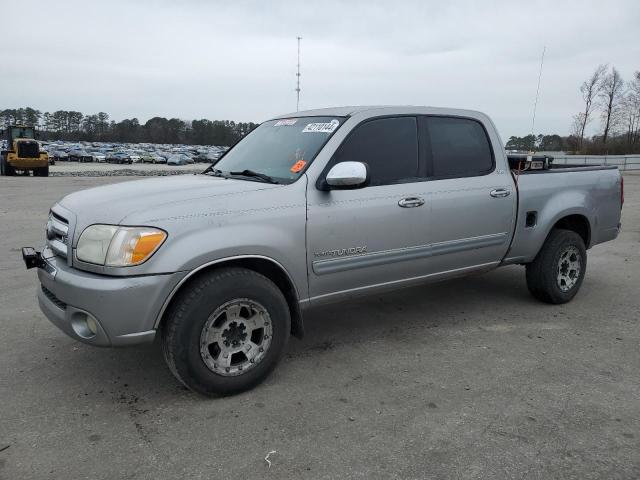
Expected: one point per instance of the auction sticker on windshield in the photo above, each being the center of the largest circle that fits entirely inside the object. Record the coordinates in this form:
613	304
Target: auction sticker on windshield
321	127
299	165
286	121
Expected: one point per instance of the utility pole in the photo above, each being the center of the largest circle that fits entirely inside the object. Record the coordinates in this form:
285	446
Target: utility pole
298	78
535	103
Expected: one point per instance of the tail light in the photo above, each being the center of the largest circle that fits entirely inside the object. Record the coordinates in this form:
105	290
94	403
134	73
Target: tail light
621	191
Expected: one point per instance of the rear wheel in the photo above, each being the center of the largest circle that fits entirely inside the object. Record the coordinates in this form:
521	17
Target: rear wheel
226	331
557	272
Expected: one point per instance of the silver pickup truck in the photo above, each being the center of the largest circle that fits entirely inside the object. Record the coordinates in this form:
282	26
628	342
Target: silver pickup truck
311	207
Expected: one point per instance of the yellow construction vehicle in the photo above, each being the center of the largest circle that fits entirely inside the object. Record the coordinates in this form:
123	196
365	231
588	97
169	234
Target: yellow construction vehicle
23	153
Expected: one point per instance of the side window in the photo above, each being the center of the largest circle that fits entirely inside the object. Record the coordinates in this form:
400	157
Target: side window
459	147
388	145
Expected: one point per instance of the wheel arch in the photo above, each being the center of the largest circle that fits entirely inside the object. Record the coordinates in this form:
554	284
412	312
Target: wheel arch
576	223
266	266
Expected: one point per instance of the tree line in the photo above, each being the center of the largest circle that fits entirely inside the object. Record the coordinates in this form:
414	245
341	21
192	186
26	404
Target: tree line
605	95
611	100
74	126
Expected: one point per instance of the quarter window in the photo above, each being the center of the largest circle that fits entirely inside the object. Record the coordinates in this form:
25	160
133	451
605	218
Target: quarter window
389	146
459	147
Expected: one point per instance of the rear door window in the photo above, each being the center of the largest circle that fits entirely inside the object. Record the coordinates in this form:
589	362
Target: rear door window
459	147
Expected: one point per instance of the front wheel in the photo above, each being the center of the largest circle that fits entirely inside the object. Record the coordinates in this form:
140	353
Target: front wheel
226	331
556	274
7	170
41	172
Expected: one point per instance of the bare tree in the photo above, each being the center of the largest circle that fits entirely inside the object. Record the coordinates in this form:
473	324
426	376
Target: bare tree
611	96
577	125
632	111
590	90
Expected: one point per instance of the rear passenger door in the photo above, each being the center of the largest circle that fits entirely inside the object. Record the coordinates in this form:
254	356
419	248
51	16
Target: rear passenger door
473	203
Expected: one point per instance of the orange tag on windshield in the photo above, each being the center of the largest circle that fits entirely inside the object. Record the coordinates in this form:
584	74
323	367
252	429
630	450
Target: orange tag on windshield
299	165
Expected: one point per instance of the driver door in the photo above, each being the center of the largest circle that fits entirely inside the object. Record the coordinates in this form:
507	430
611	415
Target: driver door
370	237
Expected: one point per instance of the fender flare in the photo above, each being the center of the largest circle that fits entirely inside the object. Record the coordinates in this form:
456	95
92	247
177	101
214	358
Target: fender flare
296	313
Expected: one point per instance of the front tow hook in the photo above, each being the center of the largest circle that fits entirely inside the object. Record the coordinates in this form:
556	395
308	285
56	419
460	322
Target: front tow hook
32	258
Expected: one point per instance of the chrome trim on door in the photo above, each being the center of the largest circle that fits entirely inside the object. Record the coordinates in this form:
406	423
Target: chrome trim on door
374	259
328	297
410	202
472	243
334	265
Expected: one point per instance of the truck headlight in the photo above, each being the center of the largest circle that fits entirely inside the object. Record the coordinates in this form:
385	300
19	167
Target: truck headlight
114	246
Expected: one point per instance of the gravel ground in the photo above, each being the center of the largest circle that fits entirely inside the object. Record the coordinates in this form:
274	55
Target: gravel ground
74	169
466	379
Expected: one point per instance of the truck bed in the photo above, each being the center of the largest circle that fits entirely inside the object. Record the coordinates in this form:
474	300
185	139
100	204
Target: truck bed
524	163
593	192
563	168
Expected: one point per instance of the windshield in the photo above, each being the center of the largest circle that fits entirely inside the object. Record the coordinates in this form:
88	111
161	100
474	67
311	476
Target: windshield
281	148
22	132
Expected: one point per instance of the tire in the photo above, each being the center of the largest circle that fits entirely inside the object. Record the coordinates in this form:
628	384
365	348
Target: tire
557	272
7	170
218	306
41	172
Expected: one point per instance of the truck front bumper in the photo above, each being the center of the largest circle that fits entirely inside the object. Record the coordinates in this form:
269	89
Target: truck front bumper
102	310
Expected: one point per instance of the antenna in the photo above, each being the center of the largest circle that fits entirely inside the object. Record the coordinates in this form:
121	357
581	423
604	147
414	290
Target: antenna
535	104
298	79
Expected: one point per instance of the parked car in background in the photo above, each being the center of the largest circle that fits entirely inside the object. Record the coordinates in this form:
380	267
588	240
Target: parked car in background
125	153
80	156
179	159
60	155
200	157
213	157
154	158
118	157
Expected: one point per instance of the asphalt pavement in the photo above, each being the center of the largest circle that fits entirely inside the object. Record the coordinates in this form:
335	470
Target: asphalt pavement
466	379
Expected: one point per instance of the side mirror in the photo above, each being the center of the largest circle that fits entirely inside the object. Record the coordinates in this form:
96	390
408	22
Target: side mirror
345	175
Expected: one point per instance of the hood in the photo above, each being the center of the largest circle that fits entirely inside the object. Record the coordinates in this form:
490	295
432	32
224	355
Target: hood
114	204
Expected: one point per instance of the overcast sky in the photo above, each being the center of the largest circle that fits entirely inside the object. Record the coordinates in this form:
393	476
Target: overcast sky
236	60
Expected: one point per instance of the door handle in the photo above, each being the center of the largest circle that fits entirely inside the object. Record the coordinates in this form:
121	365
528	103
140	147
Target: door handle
410	202
500	192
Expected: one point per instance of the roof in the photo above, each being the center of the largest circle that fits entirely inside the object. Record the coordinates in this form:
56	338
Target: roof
331	111
384	110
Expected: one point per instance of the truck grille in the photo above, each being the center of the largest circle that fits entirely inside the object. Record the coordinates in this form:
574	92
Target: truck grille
55	300
28	150
58	234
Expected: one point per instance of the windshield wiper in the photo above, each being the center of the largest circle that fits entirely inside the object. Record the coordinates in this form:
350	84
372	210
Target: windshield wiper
213	171
251	173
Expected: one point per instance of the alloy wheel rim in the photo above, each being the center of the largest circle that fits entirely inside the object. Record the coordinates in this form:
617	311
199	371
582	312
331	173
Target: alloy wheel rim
569	268
236	337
